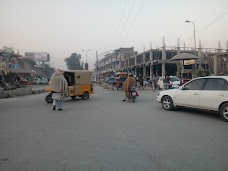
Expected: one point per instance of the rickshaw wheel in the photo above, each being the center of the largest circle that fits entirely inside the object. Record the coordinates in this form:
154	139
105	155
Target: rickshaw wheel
73	97
49	98
85	95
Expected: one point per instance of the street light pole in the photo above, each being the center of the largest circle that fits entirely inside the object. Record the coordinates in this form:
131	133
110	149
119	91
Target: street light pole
187	21
86	64
86	53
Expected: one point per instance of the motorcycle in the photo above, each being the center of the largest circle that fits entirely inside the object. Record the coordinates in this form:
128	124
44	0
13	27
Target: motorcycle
132	94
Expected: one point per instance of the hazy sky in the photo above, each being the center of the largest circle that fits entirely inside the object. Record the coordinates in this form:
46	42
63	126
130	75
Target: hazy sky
61	27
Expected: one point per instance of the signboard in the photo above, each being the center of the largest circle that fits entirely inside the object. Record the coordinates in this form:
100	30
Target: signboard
39	56
3	65
189	62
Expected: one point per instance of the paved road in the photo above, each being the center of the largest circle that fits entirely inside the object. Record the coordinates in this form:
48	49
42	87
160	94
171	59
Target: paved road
104	133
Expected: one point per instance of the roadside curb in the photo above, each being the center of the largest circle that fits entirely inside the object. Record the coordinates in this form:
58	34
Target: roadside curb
39	91
20	92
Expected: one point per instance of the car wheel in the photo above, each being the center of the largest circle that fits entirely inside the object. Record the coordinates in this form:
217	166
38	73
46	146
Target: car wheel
224	112
49	98
85	95
167	103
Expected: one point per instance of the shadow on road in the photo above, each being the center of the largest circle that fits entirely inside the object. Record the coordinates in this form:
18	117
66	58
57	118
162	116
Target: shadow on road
203	113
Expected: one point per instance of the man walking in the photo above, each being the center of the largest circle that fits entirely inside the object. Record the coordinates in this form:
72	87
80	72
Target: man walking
140	81
59	88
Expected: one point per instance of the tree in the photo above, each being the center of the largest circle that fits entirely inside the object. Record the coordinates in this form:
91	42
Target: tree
74	62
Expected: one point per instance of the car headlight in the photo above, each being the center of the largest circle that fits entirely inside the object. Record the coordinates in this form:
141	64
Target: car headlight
158	94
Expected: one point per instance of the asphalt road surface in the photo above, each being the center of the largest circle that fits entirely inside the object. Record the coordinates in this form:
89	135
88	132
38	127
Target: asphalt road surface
104	133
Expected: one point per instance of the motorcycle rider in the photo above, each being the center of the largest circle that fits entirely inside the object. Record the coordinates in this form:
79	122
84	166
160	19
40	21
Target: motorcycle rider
129	83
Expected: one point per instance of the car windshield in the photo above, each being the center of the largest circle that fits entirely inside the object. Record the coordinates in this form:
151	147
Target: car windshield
112	79
173	78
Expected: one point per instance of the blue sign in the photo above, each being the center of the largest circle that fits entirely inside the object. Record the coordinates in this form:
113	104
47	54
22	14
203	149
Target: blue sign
16	66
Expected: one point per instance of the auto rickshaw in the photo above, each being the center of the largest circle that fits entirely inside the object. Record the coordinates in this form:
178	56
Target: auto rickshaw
79	84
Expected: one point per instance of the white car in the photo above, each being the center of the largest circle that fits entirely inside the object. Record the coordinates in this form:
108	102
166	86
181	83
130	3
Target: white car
174	81
44	81
210	93
37	80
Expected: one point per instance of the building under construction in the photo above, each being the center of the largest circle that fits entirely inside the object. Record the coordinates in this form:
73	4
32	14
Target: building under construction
157	61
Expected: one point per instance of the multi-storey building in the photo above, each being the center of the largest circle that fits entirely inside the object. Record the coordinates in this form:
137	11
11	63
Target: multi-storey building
157	61
114	61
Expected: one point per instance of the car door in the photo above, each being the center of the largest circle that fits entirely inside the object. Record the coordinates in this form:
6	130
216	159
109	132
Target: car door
188	95
213	94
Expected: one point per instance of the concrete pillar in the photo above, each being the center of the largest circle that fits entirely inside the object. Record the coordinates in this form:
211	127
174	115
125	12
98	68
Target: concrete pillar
144	71
178	64
215	65
144	57
136	74
120	55
135	60
219	47
226	46
163	57
200	50
226	57
163	69
157	73
151	71
200	57
178	46
151	52
151	59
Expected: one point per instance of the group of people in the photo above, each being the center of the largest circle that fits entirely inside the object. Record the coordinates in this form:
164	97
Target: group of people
131	82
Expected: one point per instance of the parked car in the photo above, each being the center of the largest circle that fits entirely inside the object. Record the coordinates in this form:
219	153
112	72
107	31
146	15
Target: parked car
209	93
174	82
37	81
111	80
44	81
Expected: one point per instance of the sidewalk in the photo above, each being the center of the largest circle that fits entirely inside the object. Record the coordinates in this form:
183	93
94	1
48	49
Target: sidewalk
36	89
29	89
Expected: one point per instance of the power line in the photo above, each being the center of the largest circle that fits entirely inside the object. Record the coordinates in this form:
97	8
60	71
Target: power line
224	9
126	20
215	20
133	23
119	23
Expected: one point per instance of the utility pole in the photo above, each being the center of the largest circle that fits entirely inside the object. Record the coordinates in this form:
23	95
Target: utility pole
86	64
195	68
